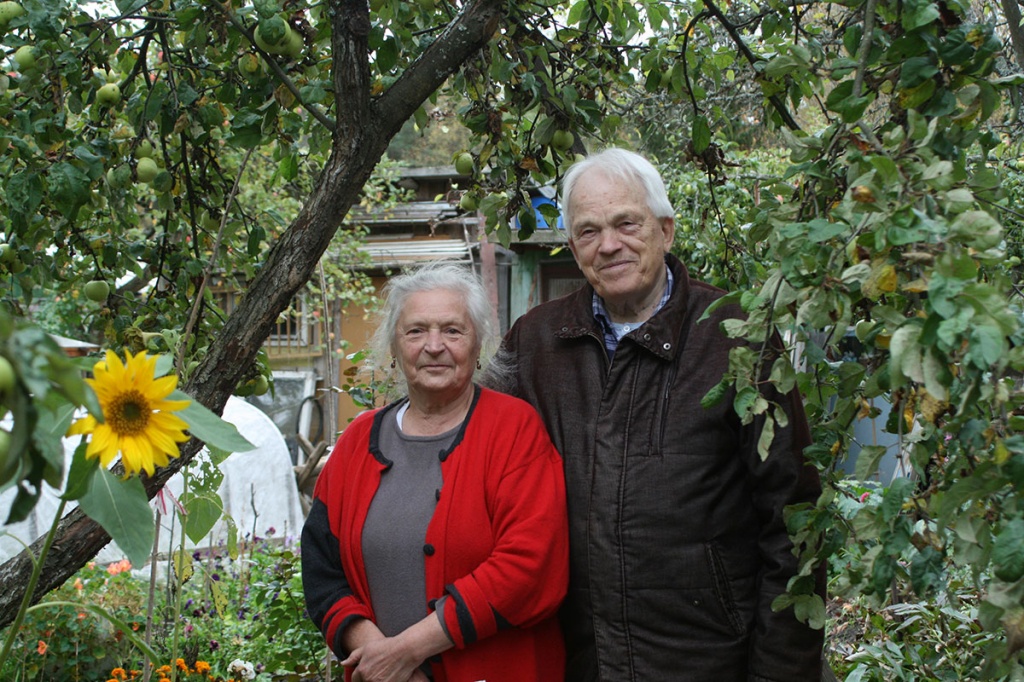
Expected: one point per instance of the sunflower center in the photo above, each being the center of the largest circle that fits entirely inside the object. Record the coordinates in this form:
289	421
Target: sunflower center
129	413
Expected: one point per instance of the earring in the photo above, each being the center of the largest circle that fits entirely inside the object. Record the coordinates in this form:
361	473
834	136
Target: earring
478	364
393	363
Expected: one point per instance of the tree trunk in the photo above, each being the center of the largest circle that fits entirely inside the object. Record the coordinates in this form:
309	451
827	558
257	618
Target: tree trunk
365	127
1012	10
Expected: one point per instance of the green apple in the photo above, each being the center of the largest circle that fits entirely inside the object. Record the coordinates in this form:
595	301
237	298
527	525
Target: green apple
7	375
96	290
5	447
562	139
144	150
9	10
249	65
271	34
293	45
468	202
108	95
464	163
25	57
8	254
119	177
147	170
260	385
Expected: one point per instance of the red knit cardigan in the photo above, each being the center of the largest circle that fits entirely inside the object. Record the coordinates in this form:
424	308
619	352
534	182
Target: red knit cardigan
497	544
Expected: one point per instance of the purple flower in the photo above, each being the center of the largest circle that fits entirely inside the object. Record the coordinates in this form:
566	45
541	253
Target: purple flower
214	645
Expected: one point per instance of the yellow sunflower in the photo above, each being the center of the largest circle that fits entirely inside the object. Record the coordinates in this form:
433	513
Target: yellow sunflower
137	418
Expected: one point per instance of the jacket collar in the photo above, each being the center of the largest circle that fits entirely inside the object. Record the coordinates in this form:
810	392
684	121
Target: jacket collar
662	335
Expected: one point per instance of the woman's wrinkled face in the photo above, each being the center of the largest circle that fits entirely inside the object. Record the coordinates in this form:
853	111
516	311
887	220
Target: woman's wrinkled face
436	345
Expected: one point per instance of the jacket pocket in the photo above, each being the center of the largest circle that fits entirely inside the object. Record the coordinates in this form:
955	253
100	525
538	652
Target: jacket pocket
724	591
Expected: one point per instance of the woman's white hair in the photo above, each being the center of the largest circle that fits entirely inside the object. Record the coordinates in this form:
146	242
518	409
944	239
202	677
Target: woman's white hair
620	164
440	275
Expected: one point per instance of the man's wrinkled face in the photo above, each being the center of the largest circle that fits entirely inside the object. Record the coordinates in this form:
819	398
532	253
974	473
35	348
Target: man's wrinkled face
618	242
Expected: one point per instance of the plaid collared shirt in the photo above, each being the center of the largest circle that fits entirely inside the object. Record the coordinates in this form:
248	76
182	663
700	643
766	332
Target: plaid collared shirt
611	338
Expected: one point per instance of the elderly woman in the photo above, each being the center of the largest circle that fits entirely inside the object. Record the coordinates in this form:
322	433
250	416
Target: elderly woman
436	546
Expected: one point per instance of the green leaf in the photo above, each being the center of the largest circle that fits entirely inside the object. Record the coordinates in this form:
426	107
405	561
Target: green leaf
842	101
716	394
1008	551
906	353
209	428
764	441
937	376
731	298
24	194
782	376
81	472
122	508
987	346
867	461
821	230
977	229
220	600
926	571
701	134
810	609
202	512
183	568
918	13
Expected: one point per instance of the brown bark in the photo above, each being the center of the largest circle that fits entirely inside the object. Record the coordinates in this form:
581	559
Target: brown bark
1011	8
364	128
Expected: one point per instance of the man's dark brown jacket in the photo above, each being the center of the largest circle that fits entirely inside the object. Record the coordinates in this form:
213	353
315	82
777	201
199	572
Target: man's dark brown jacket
677	539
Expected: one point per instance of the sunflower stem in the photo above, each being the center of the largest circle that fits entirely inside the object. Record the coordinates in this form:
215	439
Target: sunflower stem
37	569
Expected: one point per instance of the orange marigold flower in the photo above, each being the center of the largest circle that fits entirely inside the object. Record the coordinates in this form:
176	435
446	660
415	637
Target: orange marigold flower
182	666
41	648
202	667
118	673
119	567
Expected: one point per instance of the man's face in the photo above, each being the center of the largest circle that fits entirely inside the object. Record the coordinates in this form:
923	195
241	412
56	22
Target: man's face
618	243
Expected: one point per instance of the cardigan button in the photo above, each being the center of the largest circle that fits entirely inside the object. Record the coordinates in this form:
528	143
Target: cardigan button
428	549
667	346
565	329
647	337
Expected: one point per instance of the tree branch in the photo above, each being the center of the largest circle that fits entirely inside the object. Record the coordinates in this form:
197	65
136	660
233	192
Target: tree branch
753	59
469	32
359	143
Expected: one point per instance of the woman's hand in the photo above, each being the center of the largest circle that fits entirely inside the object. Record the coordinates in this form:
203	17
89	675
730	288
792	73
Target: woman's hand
398	658
383	660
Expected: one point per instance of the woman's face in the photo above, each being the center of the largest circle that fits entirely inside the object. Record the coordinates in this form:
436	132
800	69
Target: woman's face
436	345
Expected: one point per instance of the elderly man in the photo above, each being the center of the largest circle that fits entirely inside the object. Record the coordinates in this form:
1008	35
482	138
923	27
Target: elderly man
677	540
